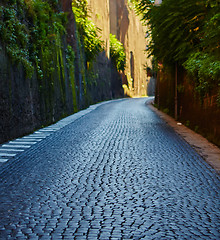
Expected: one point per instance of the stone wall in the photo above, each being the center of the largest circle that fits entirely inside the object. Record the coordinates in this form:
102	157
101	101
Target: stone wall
201	115
99	12
118	18
27	104
109	81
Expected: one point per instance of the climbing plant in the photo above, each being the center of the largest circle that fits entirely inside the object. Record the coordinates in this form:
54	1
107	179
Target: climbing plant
88	31
29	31
14	34
117	53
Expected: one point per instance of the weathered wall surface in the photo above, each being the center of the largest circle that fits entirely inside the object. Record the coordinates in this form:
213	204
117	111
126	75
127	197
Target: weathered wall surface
116	17
200	116
27	104
107	76
99	12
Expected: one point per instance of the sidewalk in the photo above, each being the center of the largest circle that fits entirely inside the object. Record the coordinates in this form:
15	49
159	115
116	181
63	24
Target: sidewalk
209	152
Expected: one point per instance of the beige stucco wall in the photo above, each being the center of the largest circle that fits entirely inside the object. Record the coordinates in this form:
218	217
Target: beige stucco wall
117	17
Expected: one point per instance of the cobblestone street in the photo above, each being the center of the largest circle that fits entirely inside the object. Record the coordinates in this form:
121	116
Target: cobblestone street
118	172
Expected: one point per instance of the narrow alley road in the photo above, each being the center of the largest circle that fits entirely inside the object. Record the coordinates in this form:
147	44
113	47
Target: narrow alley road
119	172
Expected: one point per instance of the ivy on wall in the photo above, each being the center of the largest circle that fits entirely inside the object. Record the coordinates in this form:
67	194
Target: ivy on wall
88	31
29	30
117	53
14	34
32	33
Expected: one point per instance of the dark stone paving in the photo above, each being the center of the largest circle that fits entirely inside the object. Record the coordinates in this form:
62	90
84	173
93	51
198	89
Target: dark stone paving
119	172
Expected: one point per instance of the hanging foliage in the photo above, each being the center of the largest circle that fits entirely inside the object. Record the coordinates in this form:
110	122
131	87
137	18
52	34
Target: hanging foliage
117	53
30	31
88	31
187	32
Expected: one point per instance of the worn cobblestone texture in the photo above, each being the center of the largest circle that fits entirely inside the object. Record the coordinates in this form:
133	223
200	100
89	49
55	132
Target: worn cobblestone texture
119	172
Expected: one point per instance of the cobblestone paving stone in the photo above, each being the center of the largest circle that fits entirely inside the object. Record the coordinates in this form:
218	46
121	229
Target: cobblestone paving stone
119	172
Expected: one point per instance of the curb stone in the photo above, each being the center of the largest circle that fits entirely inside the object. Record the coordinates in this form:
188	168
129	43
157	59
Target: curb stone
14	147
208	151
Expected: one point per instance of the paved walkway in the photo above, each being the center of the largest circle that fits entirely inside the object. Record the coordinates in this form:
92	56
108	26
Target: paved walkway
209	152
117	172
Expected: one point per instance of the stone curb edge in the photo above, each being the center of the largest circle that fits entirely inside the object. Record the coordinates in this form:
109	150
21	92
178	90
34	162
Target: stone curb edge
208	151
12	148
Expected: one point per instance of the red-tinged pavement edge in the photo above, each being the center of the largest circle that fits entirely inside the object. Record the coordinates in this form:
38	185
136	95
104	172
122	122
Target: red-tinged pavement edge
209	152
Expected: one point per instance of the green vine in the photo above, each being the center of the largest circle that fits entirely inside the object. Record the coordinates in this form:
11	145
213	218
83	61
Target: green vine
88	31
14	34
28	30
117	53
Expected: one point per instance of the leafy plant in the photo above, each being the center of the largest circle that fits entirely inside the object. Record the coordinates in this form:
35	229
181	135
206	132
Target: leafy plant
28	30
187	32
15	35
88	31
117	53
174	28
